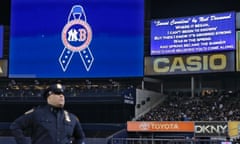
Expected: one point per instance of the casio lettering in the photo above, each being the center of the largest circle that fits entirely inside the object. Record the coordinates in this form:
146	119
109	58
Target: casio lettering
190	63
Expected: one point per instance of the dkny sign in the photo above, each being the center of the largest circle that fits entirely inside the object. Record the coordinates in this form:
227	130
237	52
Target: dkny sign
211	128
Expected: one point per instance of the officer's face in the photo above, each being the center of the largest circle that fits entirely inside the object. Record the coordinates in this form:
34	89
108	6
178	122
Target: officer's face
56	100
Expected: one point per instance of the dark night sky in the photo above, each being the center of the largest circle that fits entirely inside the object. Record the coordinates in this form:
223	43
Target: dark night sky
179	8
5	12
161	8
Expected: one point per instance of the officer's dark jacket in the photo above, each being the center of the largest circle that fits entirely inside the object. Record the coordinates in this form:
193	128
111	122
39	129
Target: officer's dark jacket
48	126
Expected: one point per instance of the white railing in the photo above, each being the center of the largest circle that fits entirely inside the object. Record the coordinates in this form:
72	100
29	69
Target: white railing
162	141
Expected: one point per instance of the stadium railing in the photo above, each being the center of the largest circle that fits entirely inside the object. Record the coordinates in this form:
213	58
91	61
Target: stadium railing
162	141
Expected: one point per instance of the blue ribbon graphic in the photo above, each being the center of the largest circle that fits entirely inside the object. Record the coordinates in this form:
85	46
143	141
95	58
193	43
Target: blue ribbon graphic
76	15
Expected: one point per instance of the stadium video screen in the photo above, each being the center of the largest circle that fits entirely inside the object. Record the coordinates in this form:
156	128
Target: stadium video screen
1	40
193	34
76	39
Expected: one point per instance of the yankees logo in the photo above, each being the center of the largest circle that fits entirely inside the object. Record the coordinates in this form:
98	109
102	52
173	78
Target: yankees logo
76	37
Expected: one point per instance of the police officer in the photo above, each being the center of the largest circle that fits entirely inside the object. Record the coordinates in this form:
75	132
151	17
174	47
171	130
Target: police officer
50	123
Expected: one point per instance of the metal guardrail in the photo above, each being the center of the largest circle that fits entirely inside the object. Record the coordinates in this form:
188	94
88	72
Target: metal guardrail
163	141
10	140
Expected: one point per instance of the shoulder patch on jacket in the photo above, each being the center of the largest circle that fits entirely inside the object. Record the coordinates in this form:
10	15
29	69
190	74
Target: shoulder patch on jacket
66	115
29	111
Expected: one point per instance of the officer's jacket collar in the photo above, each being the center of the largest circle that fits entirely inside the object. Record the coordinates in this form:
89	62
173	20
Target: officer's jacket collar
54	109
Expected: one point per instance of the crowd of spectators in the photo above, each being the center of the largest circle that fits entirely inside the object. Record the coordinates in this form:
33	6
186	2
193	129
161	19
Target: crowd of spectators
211	107
77	88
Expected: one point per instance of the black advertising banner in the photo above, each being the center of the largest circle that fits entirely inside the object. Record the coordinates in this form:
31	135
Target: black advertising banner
211	128
189	64
3	68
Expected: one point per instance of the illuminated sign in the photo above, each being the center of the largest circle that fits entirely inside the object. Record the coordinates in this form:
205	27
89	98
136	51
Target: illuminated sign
238	52
233	128
211	129
3	68
193	34
1	40
185	64
166	126
78	39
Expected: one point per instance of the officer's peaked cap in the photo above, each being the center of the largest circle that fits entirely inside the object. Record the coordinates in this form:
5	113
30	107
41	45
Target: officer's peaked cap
54	89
